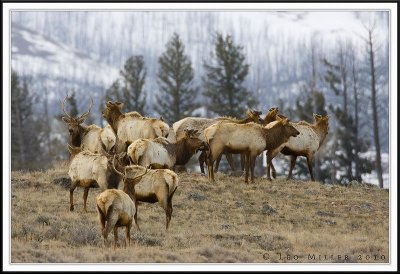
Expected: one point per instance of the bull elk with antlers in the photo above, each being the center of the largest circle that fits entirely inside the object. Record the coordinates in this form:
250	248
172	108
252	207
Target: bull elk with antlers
92	138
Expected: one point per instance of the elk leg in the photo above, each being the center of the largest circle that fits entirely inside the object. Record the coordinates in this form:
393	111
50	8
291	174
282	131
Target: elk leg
165	205
115	236
85	195
269	160
247	166
242	160
310	167
210	165
135	216
292	163
74	184
273	171
252	164
128	233
230	160
217	162
271	155
202	159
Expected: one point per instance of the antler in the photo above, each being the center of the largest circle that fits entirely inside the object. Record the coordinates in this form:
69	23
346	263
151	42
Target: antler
62	107
141	175
123	175
87	112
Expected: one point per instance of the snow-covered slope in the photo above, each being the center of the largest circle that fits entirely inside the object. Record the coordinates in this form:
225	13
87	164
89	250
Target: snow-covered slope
56	64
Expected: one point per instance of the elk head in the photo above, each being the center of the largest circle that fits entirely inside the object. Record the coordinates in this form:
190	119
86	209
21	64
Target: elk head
289	128
254	115
193	141
74	123
322	122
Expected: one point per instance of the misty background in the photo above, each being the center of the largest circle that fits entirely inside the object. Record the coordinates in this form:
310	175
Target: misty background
291	56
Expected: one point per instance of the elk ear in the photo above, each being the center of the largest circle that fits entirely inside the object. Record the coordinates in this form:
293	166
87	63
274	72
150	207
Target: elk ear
119	105
161	118
109	104
317	116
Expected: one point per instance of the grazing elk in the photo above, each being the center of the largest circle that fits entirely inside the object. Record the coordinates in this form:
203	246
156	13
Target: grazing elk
200	124
251	139
116	208
88	170
131	126
158	185
307	143
92	138
160	153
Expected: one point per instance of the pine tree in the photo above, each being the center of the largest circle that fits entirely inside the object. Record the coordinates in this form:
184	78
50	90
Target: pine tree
311	100
225	76
113	92
129	87
134	75
73	108
348	144
177	98
26	131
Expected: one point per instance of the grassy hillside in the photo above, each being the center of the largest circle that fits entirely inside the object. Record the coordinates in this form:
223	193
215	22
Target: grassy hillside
226	221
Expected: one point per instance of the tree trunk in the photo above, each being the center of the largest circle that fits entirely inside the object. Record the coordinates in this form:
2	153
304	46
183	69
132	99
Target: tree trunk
20	133
356	148
375	111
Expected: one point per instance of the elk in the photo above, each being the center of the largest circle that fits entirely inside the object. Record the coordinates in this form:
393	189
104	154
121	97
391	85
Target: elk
160	153
116	208
251	139
158	185
200	124
92	138
131	126
90	170
308	142
108	138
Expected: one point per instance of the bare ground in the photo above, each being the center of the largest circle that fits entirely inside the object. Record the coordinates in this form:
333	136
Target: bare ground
222	222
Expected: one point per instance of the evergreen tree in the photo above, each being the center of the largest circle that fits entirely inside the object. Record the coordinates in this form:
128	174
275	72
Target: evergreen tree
71	101
26	131
177	98
348	144
225	76
129	88
113	92
311	100
133	75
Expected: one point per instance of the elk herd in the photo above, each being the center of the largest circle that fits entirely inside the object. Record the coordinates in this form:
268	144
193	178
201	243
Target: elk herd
142	153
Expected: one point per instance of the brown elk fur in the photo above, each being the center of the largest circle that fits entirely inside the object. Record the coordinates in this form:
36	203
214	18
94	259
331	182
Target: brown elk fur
200	124
307	143
88	137
157	185
251	139
131	126
161	153
90	170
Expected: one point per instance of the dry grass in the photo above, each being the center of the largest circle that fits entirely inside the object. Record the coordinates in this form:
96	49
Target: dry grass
227	221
